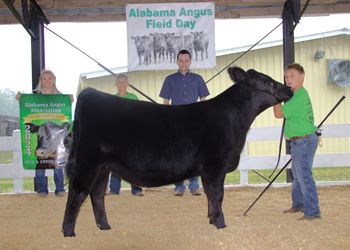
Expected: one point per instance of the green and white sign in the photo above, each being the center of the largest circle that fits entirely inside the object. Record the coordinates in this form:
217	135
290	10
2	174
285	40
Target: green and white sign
45	123
157	32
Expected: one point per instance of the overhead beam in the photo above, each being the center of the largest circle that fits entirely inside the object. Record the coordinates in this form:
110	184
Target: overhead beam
18	17
93	4
114	10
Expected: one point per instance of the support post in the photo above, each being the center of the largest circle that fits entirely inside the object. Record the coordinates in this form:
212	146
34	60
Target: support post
38	50
288	55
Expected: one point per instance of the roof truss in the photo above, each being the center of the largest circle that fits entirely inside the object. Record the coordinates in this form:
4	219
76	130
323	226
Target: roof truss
114	10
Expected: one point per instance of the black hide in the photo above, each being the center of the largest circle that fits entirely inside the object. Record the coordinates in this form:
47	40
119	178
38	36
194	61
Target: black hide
151	145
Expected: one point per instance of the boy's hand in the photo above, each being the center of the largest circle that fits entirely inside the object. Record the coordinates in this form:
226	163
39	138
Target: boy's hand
278	111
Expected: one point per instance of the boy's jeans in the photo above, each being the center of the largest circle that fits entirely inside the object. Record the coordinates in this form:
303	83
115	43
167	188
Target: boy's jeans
304	193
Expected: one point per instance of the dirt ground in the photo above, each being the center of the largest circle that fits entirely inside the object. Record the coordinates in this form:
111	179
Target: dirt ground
159	220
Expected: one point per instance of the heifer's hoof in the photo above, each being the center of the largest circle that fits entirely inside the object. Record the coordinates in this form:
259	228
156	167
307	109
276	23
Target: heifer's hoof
68	234
104	227
220	227
211	220
220	223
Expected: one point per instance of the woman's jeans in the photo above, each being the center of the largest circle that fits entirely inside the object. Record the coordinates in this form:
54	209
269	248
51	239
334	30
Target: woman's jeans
41	182
304	193
115	184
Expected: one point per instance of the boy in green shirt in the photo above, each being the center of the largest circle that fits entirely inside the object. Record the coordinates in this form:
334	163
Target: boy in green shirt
300	128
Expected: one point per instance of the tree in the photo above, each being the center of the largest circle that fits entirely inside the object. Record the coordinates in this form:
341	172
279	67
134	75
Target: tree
8	104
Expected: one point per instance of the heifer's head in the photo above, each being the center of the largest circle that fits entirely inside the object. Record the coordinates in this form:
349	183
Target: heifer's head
276	91
197	35
52	141
168	36
137	40
155	35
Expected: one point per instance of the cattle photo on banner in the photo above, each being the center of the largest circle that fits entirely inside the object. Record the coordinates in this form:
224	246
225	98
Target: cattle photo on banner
157	32
45	123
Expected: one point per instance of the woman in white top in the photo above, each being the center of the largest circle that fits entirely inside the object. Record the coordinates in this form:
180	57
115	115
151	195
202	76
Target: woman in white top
47	85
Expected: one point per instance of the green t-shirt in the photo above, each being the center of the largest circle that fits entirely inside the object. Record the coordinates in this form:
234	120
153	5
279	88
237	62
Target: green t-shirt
129	96
299	115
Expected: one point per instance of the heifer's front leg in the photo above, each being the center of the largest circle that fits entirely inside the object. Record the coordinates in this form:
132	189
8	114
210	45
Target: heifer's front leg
155	57
139	58
210	212
98	201
215	194
75	198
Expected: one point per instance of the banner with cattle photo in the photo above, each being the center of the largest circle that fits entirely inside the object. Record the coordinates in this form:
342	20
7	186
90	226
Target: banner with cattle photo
157	32
45	123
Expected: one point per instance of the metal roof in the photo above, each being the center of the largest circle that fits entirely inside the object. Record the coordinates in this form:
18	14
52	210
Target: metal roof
344	31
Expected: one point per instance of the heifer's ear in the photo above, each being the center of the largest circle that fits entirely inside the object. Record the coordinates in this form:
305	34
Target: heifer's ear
68	140
65	126
238	75
32	127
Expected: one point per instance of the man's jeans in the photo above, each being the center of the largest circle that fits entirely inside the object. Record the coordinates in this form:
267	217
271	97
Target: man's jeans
193	185
304	193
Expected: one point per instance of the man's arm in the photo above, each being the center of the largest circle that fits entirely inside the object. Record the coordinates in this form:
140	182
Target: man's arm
278	111
202	99
166	101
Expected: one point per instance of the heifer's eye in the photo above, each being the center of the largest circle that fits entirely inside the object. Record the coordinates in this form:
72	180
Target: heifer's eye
270	84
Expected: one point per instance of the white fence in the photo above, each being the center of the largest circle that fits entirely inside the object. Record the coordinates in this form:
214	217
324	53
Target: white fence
269	161
16	170
247	162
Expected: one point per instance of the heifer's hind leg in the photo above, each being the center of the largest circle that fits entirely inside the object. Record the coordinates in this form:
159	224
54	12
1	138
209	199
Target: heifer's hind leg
97	199
76	197
214	190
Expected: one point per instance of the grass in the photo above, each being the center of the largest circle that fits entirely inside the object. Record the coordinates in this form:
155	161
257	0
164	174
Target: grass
6	185
6	157
233	178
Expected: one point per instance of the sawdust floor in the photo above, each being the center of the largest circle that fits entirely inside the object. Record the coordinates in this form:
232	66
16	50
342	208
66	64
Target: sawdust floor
159	220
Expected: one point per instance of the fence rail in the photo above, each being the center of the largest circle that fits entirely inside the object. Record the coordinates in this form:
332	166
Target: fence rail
247	162
15	170
269	161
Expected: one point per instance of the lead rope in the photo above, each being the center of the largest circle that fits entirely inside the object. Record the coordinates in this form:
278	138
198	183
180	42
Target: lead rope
99	64
280	149
319	136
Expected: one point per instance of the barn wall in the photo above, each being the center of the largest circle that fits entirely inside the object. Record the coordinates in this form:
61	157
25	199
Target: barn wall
268	61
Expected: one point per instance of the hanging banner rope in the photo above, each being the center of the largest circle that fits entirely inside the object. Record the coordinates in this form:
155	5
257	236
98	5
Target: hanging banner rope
244	53
99	64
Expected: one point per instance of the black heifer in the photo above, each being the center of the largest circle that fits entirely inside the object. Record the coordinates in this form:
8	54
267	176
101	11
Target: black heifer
143	48
152	145
53	141
176	43
200	44
159	46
